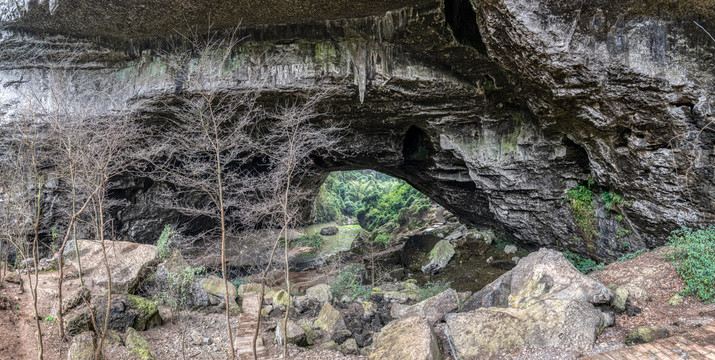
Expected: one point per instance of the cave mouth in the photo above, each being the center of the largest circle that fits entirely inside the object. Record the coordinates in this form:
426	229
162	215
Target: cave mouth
416	147
462	20
371	199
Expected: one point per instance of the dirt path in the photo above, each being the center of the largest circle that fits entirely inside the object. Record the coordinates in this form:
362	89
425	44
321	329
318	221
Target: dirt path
17	330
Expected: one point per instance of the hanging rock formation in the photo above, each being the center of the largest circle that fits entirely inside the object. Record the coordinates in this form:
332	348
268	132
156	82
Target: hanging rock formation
493	108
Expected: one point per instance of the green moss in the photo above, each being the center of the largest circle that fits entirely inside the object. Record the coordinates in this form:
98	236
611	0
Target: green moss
145	305
138	345
580	203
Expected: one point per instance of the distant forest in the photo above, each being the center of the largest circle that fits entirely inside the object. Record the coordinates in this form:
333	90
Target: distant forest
374	198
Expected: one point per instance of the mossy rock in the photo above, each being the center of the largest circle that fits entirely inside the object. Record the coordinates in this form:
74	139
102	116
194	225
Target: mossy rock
147	313
281	299
675	300
329	319
138	345
646	334
82	347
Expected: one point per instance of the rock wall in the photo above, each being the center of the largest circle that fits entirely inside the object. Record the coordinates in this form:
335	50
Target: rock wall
494	109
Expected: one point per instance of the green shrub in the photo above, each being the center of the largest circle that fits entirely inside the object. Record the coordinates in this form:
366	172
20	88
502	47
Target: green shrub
580	203
165	244
383	239
584	265
433	288
349	283
180	287
694	258
632	255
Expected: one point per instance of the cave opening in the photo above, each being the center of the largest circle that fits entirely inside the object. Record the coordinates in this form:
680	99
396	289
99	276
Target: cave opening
416	147
462	20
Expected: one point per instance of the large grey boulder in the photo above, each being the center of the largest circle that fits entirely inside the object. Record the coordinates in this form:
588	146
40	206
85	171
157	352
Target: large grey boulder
543	302
545	271
432	309
408	338
130	263
438	257
329	319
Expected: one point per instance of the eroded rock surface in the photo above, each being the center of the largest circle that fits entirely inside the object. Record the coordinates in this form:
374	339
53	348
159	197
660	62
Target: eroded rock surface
493	108
543	302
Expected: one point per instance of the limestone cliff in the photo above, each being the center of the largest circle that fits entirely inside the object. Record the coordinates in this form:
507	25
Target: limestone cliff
493	108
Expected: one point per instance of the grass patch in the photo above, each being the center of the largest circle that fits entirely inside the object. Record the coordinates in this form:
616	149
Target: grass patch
433	288
694	258
584	265
632	255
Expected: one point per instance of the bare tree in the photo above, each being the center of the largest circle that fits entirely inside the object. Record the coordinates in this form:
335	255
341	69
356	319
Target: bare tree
202	152
289	143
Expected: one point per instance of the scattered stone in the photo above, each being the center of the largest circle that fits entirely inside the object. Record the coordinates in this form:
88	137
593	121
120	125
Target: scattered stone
281	299
490	259
329	319
398	292
646	334
349	347
407	338
510	249
113	337
329	345
296	334
340	335
138	345
432	309
364	339
329	231
207	341
266	310
438	257
82	347
515	259
626	294
13	277
675	300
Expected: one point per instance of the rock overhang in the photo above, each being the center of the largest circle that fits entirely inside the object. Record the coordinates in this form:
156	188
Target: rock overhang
535	103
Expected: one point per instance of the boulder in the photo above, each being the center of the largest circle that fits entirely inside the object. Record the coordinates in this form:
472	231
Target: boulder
341	335
557	279
280	299
130	263
432	309
138	345
176	272
296	334
216	290
13	277
320	293
486	332
627	295
349	347
401	292
510	249
329	319
438	257
543	302
77	298
82	347
646	334
408	338
329	230
125	311
252	287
